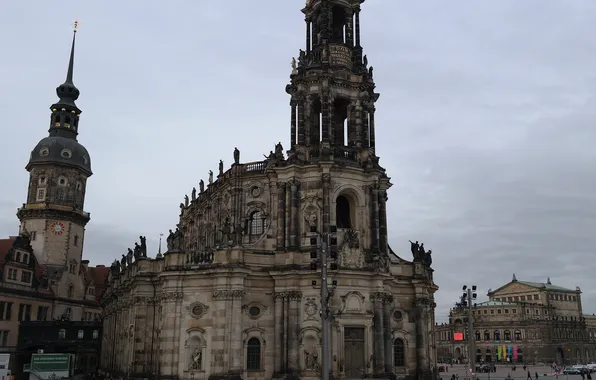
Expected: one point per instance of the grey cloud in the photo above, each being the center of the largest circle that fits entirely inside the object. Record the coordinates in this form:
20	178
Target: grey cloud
485	121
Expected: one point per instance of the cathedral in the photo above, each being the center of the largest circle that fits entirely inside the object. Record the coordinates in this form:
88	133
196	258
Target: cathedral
238	293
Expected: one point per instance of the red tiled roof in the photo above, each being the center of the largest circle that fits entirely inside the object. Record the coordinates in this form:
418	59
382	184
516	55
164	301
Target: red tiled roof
98	275
5	246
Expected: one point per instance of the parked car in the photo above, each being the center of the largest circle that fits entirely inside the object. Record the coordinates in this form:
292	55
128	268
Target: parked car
575	370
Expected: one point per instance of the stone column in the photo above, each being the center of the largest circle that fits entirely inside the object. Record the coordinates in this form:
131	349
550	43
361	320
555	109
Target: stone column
326	203
288	221
332	123
170	336
295	221
308	120
301	128
374	218
387	302
294	331
307	34
351	124
357	25
383	244
325	117
365	128
281	212
378	333
279	333
421	323
293	124
350	27
359	124
371	128
236	343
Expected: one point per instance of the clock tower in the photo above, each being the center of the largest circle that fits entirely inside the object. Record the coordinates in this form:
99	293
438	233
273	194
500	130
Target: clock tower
58	167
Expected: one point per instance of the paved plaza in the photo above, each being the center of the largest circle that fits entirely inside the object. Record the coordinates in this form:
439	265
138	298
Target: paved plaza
504	370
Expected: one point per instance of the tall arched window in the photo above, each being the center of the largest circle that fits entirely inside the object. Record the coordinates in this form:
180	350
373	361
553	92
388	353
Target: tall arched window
517	334
343	215
507	335
399	353
486	335
257	226
253	355
478	336
70	291
497	335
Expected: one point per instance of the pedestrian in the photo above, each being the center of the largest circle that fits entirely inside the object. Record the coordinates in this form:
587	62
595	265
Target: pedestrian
529	376
536	375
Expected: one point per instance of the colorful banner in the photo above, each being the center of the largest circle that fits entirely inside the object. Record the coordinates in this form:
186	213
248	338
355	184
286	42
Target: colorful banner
514	352
498	352
504	352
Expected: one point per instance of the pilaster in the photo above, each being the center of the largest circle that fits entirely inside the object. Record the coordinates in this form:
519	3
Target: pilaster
379	332
294	331
281	211
387	302
383	244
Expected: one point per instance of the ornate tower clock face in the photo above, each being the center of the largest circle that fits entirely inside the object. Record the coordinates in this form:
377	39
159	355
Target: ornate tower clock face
57	228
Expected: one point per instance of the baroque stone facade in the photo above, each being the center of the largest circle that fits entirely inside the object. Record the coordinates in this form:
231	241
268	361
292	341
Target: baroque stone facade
542	322
236	294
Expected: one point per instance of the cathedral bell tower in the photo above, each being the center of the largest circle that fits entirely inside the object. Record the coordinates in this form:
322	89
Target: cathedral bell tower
332	87
59	167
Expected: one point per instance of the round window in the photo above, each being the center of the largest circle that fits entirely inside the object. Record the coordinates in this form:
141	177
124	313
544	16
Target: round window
66	153
44	152
197	310
62	181
397	314
254	311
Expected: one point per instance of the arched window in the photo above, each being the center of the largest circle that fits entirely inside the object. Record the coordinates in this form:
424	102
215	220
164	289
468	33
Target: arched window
18	258
343	215
70	291
497	335
399	353
486	335
478	335
57	120
257	227
253	355
25	258
507	335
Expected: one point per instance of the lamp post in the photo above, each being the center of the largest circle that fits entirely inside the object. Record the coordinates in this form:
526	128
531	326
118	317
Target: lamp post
324	254
468	297
192	375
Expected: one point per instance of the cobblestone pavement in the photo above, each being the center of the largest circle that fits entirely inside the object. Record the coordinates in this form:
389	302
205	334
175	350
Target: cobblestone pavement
503	371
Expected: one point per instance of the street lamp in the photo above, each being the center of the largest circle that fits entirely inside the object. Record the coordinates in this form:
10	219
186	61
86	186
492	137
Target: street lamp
192	376
325	255
467	299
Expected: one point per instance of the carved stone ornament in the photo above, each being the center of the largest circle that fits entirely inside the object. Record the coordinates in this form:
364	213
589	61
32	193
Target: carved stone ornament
311	309
171	296
254	310
228	294
140	300
197	310
351	257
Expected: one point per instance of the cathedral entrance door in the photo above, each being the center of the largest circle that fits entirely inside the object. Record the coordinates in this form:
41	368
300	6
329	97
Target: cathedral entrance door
354	352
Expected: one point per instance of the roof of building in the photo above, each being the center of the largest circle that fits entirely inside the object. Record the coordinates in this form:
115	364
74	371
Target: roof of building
98	275
497	303
5	246
546	285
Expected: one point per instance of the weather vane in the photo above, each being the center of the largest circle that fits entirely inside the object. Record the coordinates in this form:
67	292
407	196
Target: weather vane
75	25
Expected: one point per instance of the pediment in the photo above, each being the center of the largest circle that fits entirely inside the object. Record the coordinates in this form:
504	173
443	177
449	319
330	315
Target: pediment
514	287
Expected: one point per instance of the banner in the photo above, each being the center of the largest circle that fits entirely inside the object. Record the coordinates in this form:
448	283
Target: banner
514	352
504	352
50	362
498	352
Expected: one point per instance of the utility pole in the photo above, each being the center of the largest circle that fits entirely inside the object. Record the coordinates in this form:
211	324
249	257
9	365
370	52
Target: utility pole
468	299
324	258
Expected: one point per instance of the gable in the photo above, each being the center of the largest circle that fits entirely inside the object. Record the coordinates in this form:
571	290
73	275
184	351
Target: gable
514	287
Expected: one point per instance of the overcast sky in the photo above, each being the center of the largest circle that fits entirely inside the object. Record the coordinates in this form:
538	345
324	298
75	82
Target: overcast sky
485	121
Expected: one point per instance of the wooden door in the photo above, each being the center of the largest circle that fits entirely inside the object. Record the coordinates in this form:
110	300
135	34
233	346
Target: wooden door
354	352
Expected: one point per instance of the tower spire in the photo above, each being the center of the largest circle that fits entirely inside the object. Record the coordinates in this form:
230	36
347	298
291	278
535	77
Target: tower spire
65	113
67	91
